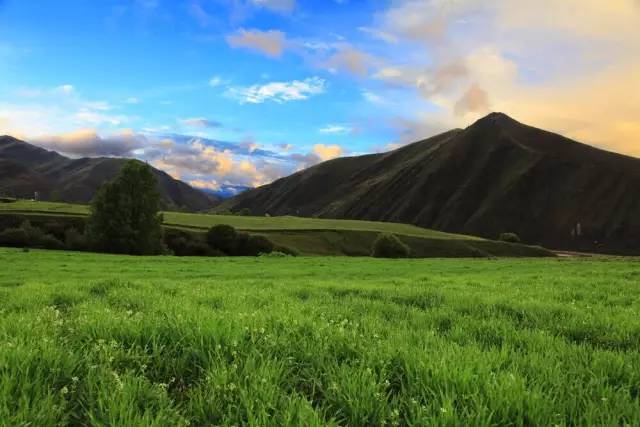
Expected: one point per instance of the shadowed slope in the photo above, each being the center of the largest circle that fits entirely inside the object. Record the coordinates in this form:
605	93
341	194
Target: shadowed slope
25	169
497	175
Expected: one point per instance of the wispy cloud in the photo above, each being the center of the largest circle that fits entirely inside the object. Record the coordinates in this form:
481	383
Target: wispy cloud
335	129
270	43
279	92
276	5
200	122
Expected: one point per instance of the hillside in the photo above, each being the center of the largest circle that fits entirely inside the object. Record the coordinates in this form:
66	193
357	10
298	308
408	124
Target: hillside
497	175
25	169
305	236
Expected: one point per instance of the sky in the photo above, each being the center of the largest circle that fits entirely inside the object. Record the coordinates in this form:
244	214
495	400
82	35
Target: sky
226	94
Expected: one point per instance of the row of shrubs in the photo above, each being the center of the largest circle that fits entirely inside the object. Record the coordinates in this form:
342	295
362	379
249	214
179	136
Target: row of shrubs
221	240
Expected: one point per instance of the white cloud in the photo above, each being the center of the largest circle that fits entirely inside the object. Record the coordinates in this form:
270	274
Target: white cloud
270	43
334	129
372	97
280	92
132	100
216	81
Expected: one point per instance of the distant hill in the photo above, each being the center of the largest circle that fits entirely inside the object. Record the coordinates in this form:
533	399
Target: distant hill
495	176
25	169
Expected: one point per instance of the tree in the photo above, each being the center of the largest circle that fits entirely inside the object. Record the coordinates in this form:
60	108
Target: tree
124	213
389	246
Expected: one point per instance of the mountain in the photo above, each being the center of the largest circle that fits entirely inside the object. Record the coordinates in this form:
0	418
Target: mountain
497	175
25	169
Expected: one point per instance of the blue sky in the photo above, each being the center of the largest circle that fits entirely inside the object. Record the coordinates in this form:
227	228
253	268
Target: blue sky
240	92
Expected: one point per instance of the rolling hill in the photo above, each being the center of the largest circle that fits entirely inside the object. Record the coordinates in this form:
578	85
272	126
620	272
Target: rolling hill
495	176
304	236
25	169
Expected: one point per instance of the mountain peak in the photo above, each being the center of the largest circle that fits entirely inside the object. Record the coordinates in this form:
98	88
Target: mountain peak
495	118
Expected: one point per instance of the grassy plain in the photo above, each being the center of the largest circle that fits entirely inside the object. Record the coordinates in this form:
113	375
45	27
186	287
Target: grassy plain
249	223
310	236
89	339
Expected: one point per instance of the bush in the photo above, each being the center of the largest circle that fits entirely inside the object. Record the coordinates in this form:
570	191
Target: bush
244	212
509	237
29	236
257	245
48	241
274	254
223	238
15	237
74	240
389	246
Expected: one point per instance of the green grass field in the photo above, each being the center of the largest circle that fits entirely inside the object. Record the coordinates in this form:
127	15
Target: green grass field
89	339
310	236
249	223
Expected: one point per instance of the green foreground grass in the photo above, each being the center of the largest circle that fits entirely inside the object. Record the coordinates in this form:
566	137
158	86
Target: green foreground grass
88	339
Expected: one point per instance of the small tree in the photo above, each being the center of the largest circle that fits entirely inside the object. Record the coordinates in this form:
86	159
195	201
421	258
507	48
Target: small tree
223	238
389	246
509	237
125	214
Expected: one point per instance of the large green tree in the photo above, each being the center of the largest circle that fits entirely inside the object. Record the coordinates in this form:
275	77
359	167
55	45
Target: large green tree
125	214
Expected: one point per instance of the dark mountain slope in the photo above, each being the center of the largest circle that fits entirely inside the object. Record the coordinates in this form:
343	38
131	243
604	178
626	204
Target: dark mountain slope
25	169
497	175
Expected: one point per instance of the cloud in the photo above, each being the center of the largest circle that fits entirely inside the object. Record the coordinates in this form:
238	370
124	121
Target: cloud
132	100
333	129
276	5
279	92
327	152
212	185
216	81
270	43
568	66
474	100
87	143
371	97
198	161
50	111
200	122
351	60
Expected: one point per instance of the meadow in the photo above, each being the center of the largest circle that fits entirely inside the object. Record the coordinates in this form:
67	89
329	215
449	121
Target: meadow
89	339
305	236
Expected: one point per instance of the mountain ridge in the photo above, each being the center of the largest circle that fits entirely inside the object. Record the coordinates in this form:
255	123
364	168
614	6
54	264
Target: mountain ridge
26	168
497	175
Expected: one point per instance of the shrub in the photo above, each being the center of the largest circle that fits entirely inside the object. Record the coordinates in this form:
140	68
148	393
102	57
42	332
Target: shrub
48	241
257	245
509	237
74	240
389	246
199	248
15	237
251	245
223	238
274	254
244	212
